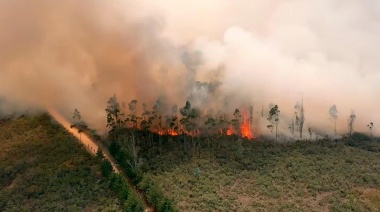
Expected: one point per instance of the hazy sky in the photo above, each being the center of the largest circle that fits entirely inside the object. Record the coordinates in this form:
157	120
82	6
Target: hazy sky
76	54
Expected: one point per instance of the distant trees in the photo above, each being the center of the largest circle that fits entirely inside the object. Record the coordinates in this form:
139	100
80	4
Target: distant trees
333	111
351	121
274	119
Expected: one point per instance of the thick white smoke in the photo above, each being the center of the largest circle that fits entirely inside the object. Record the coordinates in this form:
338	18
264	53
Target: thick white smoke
77	54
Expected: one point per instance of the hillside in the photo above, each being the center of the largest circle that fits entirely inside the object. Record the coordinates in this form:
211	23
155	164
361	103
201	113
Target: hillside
44	168
242	175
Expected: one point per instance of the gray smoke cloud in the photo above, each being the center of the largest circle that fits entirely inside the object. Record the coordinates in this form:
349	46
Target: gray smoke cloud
76	54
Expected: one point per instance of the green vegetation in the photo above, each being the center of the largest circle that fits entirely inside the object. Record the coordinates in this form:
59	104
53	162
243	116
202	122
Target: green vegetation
193	162
260	176
44	168
130	201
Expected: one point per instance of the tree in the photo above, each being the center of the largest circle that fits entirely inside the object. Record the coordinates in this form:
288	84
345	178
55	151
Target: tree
78	123
291	127
189	117
132	118
370	126
113	113
351	121
211	126
309	132
300	116
99	154
106	168
158	110
333	115
236	121
77	114
274	118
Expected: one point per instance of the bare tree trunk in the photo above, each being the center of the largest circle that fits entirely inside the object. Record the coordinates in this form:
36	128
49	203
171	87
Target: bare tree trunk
276	131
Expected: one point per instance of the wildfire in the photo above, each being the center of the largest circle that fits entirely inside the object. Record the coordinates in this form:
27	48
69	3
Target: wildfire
245	129
246	126
230	130
172	132
168	132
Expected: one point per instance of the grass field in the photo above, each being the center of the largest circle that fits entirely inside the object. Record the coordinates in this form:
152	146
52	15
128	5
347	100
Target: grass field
326	175
43	168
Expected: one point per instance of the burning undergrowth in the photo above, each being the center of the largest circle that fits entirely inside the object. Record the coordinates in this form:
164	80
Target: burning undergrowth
173	120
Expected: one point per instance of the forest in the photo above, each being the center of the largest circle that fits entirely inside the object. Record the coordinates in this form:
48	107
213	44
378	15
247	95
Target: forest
185	159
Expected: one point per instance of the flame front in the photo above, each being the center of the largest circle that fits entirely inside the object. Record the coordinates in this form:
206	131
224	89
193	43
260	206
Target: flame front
172	132
230	130
246	126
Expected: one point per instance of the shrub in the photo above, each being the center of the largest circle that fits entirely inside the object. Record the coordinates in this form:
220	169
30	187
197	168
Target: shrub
133	203
106	168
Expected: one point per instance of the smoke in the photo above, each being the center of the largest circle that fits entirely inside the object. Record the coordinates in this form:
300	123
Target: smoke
76	54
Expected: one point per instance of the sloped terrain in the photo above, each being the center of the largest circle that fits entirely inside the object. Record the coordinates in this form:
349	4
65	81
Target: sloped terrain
44	168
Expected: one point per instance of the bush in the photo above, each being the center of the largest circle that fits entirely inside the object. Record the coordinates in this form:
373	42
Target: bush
106	168
360	136
133	203
166	206
155	195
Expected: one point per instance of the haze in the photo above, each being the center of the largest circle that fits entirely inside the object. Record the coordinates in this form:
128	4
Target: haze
76	54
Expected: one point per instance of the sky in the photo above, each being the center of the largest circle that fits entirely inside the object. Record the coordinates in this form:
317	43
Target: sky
76	54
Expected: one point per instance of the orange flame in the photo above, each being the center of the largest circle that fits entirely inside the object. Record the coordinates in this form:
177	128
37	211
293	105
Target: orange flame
230	130
246	126
172	132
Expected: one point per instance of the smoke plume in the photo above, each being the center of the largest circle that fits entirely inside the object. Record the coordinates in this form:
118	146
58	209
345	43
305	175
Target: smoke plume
76	54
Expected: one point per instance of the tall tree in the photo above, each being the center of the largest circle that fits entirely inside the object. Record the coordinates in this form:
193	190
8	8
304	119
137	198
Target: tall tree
370	126
333	111
300	116
113	113
79	123
189	121
310	133
291	127
274	118
351	121
132	117
236	121
158	110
